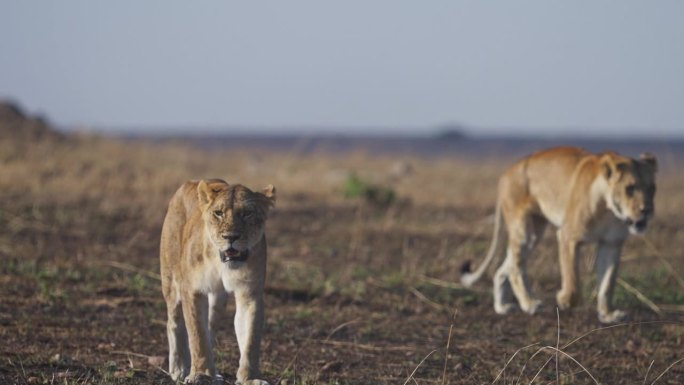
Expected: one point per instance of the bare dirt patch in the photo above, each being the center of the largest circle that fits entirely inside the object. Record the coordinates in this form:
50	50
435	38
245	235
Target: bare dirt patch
357	293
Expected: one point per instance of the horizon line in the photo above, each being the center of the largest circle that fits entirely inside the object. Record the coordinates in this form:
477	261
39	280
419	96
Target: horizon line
435	132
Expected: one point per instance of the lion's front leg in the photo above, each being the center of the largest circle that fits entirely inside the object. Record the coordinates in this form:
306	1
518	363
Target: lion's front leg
568	252
217	306
607	263
179	354
195	313
249	318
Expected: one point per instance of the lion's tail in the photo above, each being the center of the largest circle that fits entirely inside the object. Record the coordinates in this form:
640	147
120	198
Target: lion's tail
468	278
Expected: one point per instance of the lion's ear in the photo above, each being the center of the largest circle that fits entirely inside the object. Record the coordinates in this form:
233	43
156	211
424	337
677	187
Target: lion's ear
270	193
650	160
607	166
208	189
613	166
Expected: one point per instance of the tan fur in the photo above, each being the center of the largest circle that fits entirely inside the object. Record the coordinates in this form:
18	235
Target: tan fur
589	198
207	222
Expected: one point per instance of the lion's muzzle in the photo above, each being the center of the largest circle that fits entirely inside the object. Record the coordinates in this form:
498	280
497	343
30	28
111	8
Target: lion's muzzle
637	227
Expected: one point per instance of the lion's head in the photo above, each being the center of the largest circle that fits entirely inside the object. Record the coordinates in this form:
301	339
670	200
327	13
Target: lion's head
234	216
632	188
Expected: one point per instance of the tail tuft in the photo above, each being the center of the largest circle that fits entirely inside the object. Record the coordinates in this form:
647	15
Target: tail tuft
465	267
468	278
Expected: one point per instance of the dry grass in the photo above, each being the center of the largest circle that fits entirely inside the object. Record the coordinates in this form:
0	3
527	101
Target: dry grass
357	293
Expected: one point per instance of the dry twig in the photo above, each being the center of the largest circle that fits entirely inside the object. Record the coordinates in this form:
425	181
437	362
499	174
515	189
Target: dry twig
446	354
664	261
425	299
419	364
132	269
570	357
640	296
667	369
372	348
511	359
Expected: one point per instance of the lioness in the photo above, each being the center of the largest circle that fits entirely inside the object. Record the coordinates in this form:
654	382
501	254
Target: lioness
589	198
213	243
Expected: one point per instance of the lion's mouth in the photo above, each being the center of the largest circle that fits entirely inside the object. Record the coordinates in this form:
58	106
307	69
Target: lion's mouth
234	255
638	226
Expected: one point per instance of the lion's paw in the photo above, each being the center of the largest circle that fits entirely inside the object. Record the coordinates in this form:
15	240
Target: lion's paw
533	306
504	308
177	375
612	317
199	379
252	382
565	301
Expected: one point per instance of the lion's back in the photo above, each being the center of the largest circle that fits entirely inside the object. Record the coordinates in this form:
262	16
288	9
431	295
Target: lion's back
542	181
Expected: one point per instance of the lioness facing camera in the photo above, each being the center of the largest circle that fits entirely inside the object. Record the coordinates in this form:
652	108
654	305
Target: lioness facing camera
213	243
588	197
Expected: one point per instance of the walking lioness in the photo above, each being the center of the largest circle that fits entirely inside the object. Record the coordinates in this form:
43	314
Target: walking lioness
597	198
213	243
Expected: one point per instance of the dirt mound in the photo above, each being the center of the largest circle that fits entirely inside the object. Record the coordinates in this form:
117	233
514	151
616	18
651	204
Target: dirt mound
15	124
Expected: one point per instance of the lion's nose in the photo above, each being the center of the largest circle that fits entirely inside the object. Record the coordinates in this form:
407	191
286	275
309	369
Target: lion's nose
231	237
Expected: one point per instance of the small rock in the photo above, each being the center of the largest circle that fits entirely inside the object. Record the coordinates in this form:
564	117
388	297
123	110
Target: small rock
400	170
156	361
61	359
332	366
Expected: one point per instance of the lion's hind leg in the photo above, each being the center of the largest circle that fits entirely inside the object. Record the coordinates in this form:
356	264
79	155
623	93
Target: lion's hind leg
503	296
523	235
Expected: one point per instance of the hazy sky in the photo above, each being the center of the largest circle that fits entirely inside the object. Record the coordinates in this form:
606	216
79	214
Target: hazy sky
547	66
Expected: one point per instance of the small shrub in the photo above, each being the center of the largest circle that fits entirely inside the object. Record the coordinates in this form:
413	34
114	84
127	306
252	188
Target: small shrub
354	187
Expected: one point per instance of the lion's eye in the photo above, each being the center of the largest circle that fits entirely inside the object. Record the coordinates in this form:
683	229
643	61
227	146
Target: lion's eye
218	213
629	190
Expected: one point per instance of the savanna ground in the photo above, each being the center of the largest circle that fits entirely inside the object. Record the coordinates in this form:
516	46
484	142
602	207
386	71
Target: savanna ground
358	293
